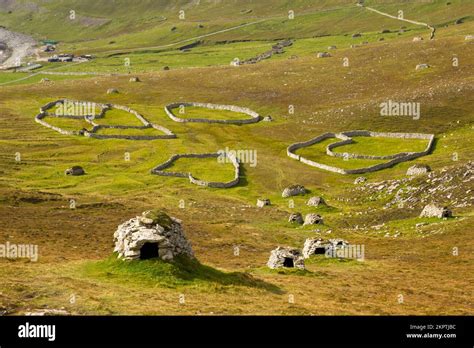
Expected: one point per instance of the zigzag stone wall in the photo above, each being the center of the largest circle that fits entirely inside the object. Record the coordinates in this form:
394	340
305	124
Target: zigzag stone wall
346	139
158	170
96	127
255	117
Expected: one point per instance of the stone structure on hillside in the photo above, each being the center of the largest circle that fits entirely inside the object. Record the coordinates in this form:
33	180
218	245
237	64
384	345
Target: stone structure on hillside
254	116
345	138
112	91
318	246
323	55
89	115
433	210
134	79
296	218
422	66
315	201
360	180
278	48
74	171
154	234
294	190
417	39
313	219
159	169
285	257
418	169
261	202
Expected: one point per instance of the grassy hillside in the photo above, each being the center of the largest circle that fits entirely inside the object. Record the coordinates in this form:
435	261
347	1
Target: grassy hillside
405	255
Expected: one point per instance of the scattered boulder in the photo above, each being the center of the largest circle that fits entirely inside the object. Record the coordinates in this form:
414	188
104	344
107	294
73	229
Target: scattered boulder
360	180
261	202
458	21
296	218
433	210
385	31
313	219
200	26
469	37
332	47
267	119
174	28
418	169
75	171
166	68
154	234
422	66
294	190
285	257
112	91
315	201
323	55
417	39
356	35
45	80
134	79
381	39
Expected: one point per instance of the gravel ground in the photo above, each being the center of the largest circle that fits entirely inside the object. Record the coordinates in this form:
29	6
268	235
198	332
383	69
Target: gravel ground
15	47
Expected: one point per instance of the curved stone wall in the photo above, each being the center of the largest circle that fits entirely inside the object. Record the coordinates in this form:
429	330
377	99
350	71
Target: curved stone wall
254	116
346	138
159	169
96	127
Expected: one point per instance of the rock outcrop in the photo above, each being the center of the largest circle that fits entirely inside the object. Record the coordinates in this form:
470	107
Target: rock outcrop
154	234
285	257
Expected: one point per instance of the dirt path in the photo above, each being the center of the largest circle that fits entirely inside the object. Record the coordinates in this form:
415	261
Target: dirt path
433	29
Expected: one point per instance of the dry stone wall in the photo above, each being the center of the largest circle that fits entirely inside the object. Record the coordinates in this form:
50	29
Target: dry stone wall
159	169
254	116
96	127
346	138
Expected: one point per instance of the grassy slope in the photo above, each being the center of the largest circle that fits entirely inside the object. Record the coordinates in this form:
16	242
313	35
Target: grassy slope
327	97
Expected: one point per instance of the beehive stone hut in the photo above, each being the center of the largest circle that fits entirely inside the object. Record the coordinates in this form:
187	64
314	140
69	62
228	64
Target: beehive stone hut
296	218
261	202
154	234
433	210
293	190
315	201
74	171
285	257
313	219
418	169
318	246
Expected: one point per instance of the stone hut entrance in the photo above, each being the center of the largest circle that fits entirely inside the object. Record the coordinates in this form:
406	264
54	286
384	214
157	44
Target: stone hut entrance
149	251
288	262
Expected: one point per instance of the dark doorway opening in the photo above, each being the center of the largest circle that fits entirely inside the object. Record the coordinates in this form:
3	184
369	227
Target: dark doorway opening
149	251
288	262
320	250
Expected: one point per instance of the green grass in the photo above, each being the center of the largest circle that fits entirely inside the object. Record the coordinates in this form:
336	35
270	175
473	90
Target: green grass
198	112
208	169
379	146
179	273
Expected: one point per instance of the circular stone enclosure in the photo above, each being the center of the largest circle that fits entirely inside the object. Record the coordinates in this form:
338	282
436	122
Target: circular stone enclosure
254	116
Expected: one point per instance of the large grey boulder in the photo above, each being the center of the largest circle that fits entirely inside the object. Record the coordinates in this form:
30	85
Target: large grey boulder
433	210
285	257
360	180
154	234
293	190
